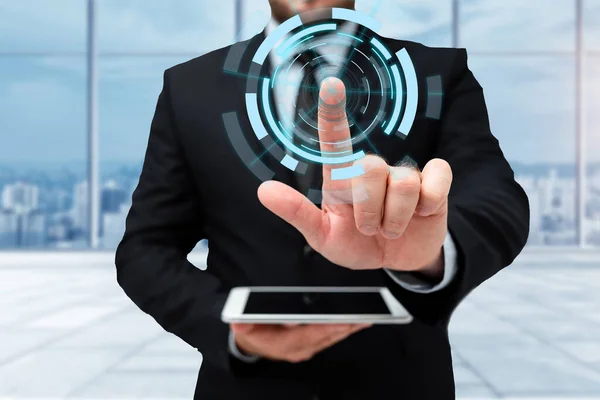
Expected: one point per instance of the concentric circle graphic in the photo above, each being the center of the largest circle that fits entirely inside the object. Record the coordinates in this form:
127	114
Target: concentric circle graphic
382	91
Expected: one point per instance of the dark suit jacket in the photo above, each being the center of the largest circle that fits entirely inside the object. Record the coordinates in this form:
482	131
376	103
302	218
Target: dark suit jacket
194	186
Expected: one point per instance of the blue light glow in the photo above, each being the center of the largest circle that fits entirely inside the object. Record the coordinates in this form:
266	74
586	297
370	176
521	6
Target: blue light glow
379	46
338	174
290	43
398	103
412	91
254	116
286	142
271	40
289	162
355	16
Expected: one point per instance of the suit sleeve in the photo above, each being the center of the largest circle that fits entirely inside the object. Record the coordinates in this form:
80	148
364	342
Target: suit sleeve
488	215
163	226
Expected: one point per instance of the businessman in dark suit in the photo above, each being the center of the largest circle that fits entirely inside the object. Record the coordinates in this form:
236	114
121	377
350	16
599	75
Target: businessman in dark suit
431	232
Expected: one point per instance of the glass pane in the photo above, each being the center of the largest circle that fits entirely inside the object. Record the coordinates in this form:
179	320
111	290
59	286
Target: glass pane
592	24
592	130
425	21
129	89
256	14
43	151
517	25
42	25
174	26
531	106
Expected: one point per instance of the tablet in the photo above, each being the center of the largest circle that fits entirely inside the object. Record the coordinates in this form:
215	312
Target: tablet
283	305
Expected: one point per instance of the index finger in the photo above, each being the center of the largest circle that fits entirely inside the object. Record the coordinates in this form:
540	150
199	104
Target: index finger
334	130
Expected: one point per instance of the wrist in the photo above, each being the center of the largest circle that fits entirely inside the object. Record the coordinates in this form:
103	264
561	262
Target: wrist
243	348
434	270
238	350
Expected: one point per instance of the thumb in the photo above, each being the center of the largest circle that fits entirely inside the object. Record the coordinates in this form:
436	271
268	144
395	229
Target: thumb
294	208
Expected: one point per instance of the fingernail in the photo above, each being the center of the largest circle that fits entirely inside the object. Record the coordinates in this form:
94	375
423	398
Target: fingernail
332	92
369	230
400	173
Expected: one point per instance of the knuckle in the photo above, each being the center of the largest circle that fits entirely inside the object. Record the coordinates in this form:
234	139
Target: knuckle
374	167
432	196
410	184
394	224
368	214
297	213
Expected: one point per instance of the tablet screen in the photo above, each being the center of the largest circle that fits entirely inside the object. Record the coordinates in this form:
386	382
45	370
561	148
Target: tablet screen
315	303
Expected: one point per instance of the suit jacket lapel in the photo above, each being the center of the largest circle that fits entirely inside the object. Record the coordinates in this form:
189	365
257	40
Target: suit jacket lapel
242	75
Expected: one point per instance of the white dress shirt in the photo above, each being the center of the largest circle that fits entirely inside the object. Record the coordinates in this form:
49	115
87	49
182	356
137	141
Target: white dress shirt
286	90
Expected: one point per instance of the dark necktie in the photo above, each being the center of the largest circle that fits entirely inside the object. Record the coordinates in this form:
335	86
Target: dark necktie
307	102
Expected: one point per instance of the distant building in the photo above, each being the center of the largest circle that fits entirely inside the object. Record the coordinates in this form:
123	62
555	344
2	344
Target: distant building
113	196
57	200
59	227
8	229
81	206
552	201
593	230
20	197
22	224
113	226
32	230
22	230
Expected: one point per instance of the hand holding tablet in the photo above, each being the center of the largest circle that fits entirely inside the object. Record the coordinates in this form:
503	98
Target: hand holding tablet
295	323
314	305
291	343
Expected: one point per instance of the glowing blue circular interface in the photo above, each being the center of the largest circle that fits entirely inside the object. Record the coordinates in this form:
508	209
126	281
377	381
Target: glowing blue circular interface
381	89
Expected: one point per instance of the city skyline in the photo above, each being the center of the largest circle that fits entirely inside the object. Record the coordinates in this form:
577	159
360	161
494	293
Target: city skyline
37	213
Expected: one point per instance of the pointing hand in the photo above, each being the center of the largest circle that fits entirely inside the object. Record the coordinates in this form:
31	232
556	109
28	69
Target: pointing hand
390	217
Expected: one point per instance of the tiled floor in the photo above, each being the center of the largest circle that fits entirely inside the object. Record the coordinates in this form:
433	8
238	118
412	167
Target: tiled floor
70	332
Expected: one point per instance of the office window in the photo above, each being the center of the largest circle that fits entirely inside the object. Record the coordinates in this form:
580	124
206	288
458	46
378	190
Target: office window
138	41
44	201
129	89
42	26
164	26
523	52
592	24
517	25
591	102
255	16
592	155
531	106
425	21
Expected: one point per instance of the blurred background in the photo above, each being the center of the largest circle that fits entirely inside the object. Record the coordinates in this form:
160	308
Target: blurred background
79	81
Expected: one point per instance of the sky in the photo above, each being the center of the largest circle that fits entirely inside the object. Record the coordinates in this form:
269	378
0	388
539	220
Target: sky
530	97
